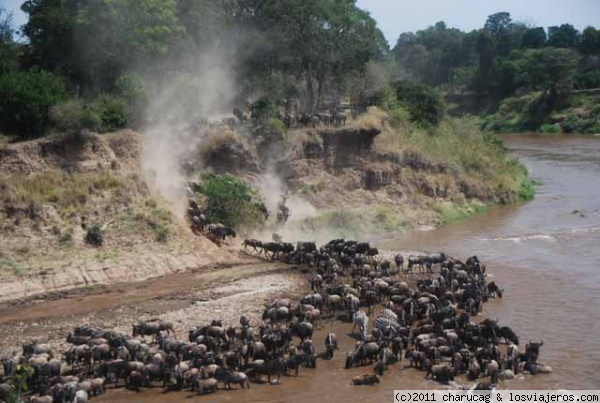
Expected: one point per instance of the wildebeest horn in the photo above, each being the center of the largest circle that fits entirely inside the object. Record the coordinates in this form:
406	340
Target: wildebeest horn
529	341
542	343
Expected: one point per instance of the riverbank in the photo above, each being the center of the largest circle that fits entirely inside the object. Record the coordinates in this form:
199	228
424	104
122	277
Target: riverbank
412	177
581	115
380	174
543	253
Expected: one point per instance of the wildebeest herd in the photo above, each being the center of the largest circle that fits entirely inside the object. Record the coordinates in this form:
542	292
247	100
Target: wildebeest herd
201	223
421	308
305	120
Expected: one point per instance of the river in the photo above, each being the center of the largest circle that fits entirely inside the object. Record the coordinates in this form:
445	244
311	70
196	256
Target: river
544	253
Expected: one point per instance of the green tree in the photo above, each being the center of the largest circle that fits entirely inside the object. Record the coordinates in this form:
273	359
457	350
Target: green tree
534	38
25	101
93	42
49	29
132	88
486	52
140	35
322	40
498	23
231	201
8	48
564	36
503	32
590	42
551	70
425	104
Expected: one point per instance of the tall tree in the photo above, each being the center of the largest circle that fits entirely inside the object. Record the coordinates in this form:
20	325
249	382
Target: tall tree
551	70
498	23
323	38
564	36
51	37
590	42
92	42
534	38
8	48
434	53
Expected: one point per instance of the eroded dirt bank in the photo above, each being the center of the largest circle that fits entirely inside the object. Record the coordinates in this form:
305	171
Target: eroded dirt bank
187	299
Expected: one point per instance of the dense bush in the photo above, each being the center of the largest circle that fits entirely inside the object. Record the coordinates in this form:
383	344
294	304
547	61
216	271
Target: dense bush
262	110
101	114
68	117
231	201
516	114
131	87
272	130
550	128
25	101
576	124
588	79
113	112
425	104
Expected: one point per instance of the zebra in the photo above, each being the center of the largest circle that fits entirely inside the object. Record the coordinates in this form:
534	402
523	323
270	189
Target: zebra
383	324
361	320
388	314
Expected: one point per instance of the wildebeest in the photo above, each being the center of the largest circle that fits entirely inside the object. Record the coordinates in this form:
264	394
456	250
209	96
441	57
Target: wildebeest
228	377
365	380
152	328
203	386
442	373
219	231
330	345
269	367
253	243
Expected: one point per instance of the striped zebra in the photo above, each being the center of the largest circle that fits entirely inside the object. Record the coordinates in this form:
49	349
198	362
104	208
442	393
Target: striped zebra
386	319
383	323
388	314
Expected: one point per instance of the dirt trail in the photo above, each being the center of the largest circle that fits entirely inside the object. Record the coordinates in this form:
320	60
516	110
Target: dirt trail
177	297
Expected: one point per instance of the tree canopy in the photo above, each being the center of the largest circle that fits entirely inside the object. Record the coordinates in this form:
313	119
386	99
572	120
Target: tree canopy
115	54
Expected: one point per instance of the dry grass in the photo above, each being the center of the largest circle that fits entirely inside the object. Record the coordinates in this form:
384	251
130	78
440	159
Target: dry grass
59	188
217	139
440	176
375	118
466	153
48	212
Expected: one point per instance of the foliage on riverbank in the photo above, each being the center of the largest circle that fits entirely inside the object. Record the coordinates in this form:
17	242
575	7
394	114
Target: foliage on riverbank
430	176
522	114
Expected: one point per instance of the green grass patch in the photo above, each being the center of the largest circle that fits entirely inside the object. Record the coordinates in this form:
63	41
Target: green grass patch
6	263
550	128
17	269
354	223
106	255
450	212
162	233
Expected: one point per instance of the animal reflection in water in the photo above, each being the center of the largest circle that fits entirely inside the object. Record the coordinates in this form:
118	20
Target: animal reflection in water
422	312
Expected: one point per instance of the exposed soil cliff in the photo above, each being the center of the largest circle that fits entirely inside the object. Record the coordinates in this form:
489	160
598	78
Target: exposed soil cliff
370	177
54	190
374	178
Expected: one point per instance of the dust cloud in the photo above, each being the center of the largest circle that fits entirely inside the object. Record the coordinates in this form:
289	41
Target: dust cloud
168	141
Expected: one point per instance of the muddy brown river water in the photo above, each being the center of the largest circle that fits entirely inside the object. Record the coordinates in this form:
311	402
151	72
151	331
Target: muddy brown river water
545	254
